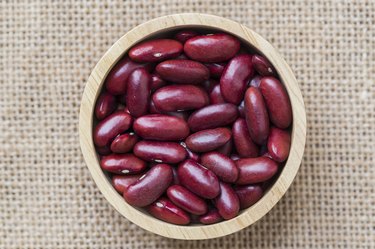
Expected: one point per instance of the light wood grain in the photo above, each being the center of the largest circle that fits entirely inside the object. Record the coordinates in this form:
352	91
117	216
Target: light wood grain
95	83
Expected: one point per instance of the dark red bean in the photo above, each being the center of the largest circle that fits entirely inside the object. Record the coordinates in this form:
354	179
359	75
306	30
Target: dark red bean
103	151
211	217
248	195
149	187
256	115
155	50
124	143
110	127
226	149
277	102
207	140
255	170
160	152
241	109
235	77
161	127
183	71
123	164
105	105
165	210
216	69
186	200
221	165
175	181
157	82
152	108
213	116
244	144
120	183
278	144
215	95
180	98
234	157
210	84
263	66
227	203
190	154
182	115
255	81
138	93
198	179
212	48
184	35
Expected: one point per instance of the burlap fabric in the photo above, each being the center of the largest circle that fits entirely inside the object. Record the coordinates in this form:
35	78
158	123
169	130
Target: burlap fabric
47	51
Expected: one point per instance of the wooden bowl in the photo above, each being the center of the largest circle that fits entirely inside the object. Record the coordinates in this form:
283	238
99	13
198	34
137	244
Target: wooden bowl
166	24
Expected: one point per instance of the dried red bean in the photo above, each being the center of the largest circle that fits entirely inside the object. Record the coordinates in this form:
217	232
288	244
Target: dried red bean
157	82
255	170
149	187
278	144
207	140
165	210
235	77
227	203
244	144
212	48
138	93
160	152
216	69
182	115
123	164
248	195
124	143
155	50
263	66
186	200
190	154
255	81
198	179
152	108
215	96
226	149
184	35
120	183
224	167
105	105
211	217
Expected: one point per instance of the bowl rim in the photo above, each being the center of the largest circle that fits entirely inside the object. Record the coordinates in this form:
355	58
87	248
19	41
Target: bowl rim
115	53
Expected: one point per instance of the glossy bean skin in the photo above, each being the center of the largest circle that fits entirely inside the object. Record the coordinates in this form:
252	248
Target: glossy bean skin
263	66
190	154
183	71
164	209
255	170
212	48
215	96
120	183
186	200
180	98
110	127
216	69
234	80
207	140
244	144
152	108
256	115
184	35
248	195
211	217
227	203
105	105
149	187
123	164
138	93
234	157
226	149
198	179
160	152
157	82
278	144
255	81
155	50
213	116
124	143
161	127
224	167
277	102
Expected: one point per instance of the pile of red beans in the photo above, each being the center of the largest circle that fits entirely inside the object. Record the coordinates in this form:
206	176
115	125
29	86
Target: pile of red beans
193	128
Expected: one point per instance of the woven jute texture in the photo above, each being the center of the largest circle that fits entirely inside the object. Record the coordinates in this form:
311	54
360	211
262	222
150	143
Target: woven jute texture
48	49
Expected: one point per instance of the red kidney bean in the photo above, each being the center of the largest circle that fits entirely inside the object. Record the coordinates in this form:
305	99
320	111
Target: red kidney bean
184	35
278	144
226	149
105	105
213	116
248	195
149	187
215	96
152	108
186	200
138	93
182	115
160	152
190	154
256	115
103	151
255	170
110	127
234	157
120	183
244	144
227	203
277	102
155	50
211	217
198	179
241	109
263	66
235	77
224	167
255	81
183	71
157	82
175	181
212	48
180	98
124	143
165	210
161	127
207	140
210	84
116	81
123	164
216	69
